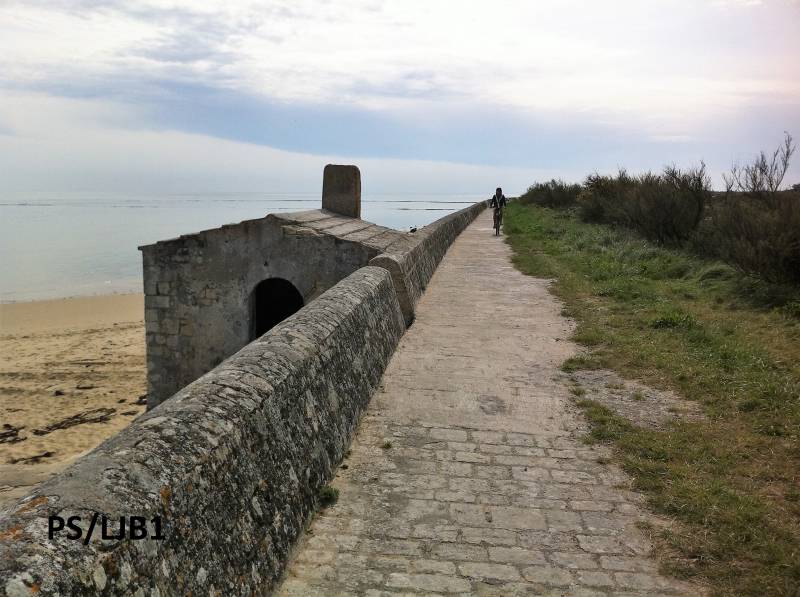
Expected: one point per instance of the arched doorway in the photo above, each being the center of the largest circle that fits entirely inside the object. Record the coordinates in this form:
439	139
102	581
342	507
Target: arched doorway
272	301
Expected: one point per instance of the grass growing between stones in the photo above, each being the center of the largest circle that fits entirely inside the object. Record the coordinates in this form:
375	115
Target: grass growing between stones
328	496
728	341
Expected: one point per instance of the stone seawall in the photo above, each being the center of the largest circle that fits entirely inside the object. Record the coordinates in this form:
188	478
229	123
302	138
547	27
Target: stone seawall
413	268
232	463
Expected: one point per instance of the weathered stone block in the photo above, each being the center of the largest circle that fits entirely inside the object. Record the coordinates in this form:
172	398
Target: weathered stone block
156	302
460	552
341	190
489	572
150	286
428	583
548	575
168	326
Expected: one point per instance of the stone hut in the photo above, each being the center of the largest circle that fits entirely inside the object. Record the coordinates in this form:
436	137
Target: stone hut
210	293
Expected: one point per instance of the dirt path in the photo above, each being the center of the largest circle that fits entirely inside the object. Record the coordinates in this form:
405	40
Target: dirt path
467	474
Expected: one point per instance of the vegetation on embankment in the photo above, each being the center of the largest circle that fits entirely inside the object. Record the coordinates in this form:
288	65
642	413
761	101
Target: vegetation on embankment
715	335
754	226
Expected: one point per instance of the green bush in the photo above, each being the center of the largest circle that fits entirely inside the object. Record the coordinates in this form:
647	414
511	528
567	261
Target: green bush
602	199
757	236
556	194
755	226
327	496
669	206
664	207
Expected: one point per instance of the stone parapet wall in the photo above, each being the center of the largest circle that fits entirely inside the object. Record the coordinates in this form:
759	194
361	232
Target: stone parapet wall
232	463
412	265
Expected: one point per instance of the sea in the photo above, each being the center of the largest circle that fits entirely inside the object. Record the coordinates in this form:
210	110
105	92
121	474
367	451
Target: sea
55	245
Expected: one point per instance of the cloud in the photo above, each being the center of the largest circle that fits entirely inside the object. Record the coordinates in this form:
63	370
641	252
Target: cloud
565	86
64	149
94	144
611	57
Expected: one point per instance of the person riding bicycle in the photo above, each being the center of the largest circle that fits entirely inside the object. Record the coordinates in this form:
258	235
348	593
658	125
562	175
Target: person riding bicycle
498	202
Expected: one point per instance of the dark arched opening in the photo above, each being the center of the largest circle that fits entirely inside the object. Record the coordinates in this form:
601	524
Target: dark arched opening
273	301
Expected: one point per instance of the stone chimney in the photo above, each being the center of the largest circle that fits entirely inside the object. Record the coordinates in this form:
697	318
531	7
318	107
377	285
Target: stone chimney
341	190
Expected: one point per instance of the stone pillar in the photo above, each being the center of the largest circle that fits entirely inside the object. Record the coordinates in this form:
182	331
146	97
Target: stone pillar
341	190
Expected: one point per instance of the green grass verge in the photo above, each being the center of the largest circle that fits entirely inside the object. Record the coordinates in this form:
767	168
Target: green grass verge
700	328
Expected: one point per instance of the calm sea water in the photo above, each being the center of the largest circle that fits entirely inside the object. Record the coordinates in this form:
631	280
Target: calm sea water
69	244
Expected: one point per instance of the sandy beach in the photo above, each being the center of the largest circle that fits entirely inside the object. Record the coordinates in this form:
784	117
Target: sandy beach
72	374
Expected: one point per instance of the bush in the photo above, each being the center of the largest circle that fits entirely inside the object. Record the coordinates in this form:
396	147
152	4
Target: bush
664	207
556	194
604	199
756	226
760	237
327	496
670	206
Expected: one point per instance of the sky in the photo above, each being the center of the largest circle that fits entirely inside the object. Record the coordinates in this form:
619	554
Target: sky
422	95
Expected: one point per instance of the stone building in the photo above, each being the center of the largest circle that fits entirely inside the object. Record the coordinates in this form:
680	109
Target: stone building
210	293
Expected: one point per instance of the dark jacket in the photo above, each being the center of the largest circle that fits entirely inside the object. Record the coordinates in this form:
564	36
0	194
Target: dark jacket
493	202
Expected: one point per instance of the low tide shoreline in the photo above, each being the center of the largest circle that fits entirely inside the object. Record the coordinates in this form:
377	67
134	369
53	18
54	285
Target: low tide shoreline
72	374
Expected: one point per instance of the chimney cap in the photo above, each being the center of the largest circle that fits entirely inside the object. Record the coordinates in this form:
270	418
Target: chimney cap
341	190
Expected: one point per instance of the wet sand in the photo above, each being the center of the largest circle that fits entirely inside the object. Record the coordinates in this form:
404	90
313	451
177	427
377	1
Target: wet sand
72	374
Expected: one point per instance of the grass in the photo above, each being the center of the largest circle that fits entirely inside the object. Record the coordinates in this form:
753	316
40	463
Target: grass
327	496
715	336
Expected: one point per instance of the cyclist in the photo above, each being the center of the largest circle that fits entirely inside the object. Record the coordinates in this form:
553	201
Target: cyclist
498	202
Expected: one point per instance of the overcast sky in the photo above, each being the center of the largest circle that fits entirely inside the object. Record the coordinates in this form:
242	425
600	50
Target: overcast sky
174	95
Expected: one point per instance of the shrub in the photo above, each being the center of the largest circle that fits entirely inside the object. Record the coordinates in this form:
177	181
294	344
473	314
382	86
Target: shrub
327	496
756	226
763	178
556	194
670	206
664	207
604	199
760	237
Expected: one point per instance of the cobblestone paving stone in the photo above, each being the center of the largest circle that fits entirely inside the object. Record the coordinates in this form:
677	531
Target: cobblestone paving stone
468	475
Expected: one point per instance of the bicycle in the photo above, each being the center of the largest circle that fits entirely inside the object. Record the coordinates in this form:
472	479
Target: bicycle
497	220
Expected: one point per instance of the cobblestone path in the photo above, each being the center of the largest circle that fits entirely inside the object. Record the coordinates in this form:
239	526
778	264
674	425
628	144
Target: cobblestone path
467	474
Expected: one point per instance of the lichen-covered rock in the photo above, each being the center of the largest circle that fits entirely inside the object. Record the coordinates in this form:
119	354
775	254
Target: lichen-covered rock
231	464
